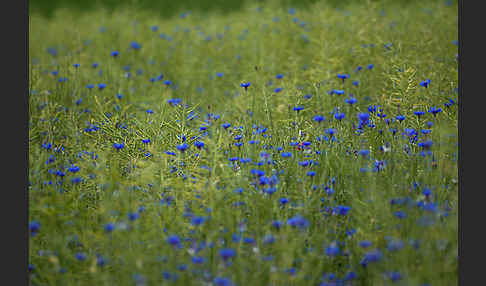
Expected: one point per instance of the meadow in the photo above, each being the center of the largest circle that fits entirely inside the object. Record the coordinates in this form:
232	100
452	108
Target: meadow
269	145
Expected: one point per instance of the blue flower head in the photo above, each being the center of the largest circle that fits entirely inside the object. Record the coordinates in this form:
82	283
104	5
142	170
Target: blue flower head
339	116
227	253
222	281
182	147
245	85
298	222
118	146
425	83
435	110
173	240
34	227
80	256
134	45
109	227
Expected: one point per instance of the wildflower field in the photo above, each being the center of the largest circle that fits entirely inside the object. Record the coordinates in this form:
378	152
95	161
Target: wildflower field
271	145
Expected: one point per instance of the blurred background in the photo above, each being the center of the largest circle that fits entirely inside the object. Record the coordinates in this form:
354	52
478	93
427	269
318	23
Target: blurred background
167	8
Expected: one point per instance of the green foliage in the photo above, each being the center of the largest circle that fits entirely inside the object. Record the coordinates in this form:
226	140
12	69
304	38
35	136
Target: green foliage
247	45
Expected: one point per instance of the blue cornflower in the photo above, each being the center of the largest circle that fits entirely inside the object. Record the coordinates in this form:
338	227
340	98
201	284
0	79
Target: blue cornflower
351	100
350	275
80	256
400	214
249	240
76	65
337	91
198	259
330	131
278	89
343	76
373	256
425	83
182	147
109	227
332	250
73	169
283	201
197	220
286	154
245	85
373	108
304	163
279	76
101	86
339	116
449	103
167	82
134	45
365	243
298	221
400	118
298	108
434	110
227	253
277	224
364	153
173	240
118	146
363	117
133	216
342	210
356	83
311	173
270	190
221	281
146	141
199	144
319	118
34	227
426	192
426	144
419	113
94	65
370	66
115	54
395	276
226	125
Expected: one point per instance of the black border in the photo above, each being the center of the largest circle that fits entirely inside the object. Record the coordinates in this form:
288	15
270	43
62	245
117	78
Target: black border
471	203
15	131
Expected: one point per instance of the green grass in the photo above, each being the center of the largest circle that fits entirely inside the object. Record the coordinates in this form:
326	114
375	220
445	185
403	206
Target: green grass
246	45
